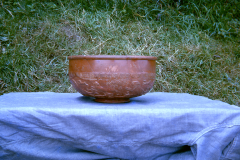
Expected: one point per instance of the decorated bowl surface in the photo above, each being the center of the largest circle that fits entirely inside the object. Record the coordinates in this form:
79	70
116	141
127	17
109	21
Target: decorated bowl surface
112	79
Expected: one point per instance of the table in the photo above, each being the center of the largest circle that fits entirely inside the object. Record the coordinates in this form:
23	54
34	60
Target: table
161	126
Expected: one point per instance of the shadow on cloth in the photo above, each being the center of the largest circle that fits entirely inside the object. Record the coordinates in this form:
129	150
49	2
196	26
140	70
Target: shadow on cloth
137	100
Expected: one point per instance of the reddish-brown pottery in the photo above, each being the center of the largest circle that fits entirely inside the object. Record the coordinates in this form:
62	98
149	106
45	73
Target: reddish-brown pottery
112	79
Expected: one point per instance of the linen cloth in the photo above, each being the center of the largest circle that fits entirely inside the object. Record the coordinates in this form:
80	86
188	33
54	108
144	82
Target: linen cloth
159	126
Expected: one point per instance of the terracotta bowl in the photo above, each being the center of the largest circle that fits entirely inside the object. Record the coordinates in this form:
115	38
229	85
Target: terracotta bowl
112	79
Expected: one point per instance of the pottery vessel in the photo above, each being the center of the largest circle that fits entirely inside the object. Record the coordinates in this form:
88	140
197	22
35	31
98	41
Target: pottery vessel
112	79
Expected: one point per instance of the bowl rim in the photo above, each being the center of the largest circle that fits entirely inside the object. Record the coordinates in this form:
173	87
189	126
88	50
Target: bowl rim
111	57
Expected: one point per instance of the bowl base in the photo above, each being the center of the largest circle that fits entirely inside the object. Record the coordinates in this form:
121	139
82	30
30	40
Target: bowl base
113	100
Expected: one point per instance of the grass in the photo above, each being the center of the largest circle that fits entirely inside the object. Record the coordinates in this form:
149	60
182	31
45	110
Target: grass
197	44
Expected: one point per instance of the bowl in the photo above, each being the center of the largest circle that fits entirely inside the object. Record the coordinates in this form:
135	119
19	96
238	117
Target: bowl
112	79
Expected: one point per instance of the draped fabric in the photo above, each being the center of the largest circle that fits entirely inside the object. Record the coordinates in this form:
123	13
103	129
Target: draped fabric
159	126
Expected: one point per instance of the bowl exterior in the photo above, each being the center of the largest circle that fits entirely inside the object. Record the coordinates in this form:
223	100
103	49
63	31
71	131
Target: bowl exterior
112	79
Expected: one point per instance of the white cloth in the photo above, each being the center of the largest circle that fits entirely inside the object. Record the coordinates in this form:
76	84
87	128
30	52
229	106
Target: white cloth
161	126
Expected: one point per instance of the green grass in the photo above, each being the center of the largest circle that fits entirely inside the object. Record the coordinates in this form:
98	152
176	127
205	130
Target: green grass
197	44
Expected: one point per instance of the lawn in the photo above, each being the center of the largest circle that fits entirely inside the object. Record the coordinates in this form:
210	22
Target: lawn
197	43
